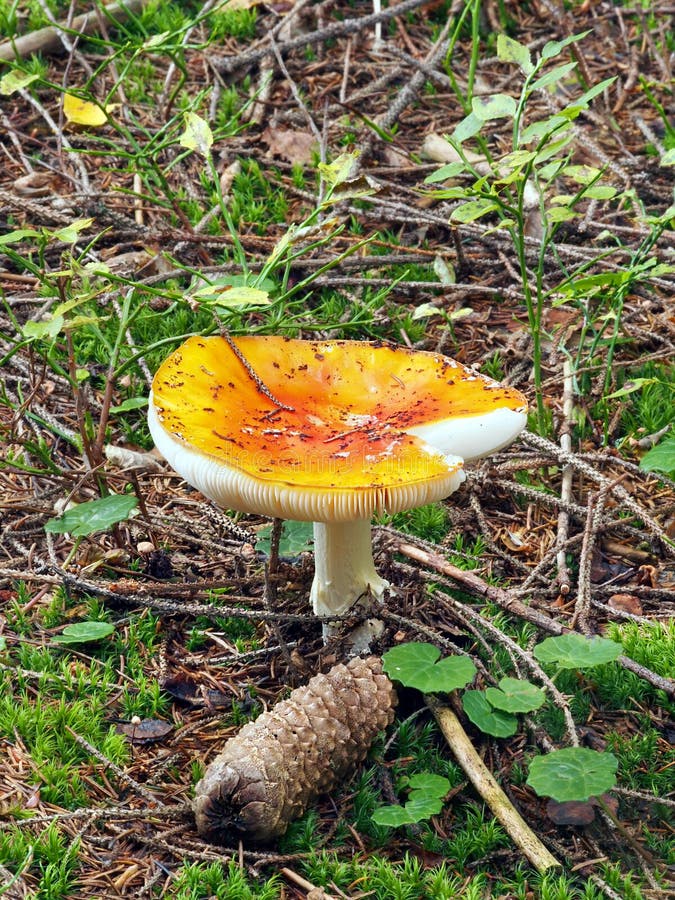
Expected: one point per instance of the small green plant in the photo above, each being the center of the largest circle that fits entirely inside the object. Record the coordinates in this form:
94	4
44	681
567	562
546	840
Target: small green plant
425	799
557	775
519	191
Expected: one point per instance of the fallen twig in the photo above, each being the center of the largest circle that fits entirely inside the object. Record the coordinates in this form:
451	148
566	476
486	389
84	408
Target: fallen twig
482	779
48	39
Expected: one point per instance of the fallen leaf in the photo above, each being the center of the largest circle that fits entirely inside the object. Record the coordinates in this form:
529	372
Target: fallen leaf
82	112
289	144
146	732
648	576
36	184
571	812
626	603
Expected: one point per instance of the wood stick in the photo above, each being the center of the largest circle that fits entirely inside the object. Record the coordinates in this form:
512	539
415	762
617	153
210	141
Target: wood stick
47	40
480	776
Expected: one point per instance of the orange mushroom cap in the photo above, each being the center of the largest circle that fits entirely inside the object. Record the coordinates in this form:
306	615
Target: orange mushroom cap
368	426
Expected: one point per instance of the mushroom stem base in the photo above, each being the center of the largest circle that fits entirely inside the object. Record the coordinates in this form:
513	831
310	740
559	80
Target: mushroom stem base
345	573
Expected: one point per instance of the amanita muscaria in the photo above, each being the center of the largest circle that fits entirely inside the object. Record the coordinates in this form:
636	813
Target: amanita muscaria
328	432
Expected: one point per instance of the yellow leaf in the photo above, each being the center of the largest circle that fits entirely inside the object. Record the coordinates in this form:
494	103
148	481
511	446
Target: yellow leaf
82	112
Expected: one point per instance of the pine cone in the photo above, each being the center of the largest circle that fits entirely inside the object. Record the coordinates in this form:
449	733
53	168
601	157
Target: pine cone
270	772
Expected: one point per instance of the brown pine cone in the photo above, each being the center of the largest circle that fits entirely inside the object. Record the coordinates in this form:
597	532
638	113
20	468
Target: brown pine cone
270	772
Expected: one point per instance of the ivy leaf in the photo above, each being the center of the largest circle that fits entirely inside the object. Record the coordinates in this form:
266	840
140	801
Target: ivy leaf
574	651
197	135
84	633
425	800
515	696
512	51
574	773
96	515
486	717
417	665
660	458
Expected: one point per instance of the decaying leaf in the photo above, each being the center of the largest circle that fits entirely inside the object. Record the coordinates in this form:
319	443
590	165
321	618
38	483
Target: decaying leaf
270	772
82	112
147	731
290	144
626	603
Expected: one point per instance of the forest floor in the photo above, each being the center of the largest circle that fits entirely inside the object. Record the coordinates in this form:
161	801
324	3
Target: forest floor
180	143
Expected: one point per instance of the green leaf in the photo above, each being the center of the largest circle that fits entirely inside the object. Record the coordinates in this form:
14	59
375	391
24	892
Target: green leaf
197	135
474	209
467	128
635	384
600	192
340	170
660	458
449	193
420	806
128	405
47	328
155	41
450	171
13	237
84	633
583	101
517	159
16	80
417	665
553	76
71	233
486	717
561	214
553	48
668	158
512	51
296	538
574	651
393	816
425	800
574	773
96	515
496	106
515	696
432	785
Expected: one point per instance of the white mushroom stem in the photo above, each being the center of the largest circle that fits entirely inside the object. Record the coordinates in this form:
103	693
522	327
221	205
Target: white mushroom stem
343	569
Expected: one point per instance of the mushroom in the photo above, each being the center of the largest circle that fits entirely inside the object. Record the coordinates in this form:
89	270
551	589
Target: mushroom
328	432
